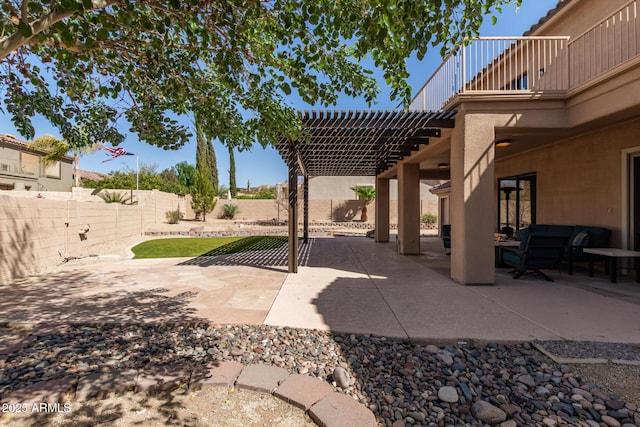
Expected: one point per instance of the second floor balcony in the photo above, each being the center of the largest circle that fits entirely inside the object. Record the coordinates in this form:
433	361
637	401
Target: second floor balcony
533	65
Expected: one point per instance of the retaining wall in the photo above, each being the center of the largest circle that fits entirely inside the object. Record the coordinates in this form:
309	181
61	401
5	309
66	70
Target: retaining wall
38	231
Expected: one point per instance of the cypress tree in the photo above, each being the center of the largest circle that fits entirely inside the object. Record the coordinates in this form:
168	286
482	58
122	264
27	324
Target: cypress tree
206	156
232	172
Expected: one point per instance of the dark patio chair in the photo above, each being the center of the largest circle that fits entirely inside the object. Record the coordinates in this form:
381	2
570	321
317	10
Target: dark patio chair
537	252
446	237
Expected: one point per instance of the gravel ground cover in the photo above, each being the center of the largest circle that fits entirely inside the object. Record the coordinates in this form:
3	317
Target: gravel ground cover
593	350
403	383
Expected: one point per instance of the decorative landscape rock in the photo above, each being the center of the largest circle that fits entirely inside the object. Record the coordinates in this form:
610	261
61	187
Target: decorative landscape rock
342	378
401	382
486	412
448	394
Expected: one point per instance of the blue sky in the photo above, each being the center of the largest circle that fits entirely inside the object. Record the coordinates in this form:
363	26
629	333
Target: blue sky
264	166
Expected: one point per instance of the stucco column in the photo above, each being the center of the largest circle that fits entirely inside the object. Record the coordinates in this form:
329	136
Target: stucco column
409	209
473	200
382	210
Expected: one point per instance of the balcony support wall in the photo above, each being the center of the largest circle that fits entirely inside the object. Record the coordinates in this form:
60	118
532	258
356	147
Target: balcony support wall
473	199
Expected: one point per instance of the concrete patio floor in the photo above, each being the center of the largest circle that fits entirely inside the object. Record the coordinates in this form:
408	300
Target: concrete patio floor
344	284
356	285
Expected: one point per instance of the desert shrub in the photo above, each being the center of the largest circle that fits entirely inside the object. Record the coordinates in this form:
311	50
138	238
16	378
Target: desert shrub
115	197
266	193
428	218
174	217
229	210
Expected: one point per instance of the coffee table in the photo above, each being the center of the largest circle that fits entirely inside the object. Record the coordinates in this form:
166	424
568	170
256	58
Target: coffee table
613	254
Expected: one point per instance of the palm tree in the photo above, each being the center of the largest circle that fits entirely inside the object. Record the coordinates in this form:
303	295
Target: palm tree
366	195
56	149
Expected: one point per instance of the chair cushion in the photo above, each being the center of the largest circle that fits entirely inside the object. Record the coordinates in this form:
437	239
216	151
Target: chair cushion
581	240
512	258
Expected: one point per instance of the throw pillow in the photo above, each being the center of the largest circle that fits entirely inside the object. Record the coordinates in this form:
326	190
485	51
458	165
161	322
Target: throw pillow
581	239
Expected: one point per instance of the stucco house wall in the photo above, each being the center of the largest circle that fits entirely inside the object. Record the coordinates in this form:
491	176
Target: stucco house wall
579	178
16	174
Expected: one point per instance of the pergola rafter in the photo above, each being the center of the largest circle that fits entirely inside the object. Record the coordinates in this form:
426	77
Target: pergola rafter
350	143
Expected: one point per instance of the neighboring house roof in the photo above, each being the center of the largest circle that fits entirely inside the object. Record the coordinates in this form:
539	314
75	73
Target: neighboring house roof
19	143
439	188
550	14
12	140
93	176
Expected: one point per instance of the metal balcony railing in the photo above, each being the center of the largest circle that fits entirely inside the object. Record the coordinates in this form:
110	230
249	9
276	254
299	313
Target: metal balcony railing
496	65
606	45
507	65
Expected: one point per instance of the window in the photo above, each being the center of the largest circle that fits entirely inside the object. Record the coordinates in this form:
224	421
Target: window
520	83
52	170
516	202
29	163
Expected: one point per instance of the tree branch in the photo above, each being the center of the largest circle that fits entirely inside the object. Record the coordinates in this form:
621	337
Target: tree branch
17	40
24	11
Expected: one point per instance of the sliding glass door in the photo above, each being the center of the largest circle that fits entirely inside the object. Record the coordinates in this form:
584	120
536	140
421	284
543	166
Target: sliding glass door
516	202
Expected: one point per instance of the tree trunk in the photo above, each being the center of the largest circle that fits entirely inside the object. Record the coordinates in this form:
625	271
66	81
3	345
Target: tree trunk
363	216
77	182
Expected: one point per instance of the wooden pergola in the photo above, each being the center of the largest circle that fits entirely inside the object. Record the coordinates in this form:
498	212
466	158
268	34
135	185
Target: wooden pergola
351	143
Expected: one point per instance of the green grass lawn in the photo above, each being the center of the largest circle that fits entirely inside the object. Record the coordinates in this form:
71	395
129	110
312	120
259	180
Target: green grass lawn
205	246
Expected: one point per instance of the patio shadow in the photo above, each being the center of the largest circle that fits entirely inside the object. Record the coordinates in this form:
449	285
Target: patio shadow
79	297
253	255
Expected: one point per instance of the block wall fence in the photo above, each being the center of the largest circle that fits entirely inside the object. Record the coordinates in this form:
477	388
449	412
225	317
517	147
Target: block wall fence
39	233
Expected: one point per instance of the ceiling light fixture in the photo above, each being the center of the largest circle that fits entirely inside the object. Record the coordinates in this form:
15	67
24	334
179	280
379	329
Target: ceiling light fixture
443	165
503	143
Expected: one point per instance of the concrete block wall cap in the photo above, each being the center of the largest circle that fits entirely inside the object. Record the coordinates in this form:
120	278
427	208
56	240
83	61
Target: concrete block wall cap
261	377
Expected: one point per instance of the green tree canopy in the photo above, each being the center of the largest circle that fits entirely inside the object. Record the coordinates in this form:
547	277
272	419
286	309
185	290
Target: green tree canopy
85	65
169	180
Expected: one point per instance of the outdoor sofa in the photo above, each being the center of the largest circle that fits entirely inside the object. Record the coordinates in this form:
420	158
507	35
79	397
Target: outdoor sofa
573	237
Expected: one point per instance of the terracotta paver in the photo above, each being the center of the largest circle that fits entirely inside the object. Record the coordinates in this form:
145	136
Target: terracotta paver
51	391
163	379
261	377
219	374
303	391
339	410
101	384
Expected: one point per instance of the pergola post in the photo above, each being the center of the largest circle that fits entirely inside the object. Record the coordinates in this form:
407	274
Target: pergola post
293	208
382	210
409	208
306	209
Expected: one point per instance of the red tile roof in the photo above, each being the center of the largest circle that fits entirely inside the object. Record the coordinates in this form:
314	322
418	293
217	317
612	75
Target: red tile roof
550	14
93	176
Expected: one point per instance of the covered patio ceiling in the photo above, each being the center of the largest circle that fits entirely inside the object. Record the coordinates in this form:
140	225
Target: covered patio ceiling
360	143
